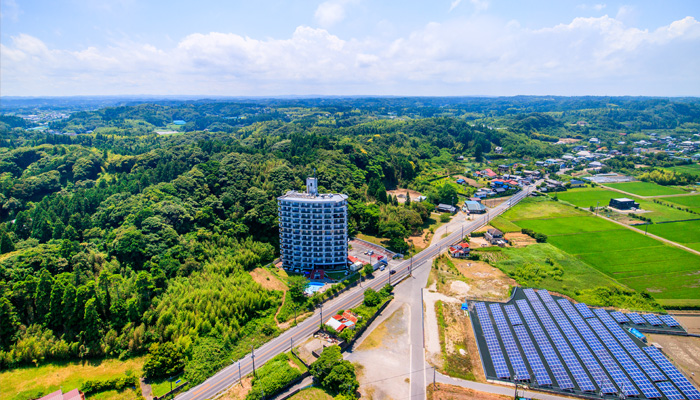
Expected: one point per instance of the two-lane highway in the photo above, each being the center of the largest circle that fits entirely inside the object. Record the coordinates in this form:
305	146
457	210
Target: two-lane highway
305	329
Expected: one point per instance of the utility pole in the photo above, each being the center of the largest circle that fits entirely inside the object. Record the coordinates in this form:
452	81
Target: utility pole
321	305
252	357
596	208
433	378
515	380
646	227
240	377
410	267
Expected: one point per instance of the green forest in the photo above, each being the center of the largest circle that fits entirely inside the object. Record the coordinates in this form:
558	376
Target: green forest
114	237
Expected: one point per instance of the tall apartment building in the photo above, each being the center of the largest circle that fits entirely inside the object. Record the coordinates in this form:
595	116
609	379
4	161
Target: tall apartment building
313	229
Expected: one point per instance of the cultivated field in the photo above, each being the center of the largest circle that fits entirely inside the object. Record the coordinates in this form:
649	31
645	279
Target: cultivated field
686	233
691	169
692	202
592	197
645	188
630	258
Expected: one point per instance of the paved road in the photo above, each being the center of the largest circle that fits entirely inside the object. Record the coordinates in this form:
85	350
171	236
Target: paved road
495	389
231	374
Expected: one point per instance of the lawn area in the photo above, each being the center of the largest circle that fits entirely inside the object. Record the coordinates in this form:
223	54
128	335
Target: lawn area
33	382
540	207
312	394
686	232
569	225
504	225
645	188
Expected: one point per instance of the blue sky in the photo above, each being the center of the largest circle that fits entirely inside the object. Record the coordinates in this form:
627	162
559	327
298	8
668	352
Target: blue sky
349	47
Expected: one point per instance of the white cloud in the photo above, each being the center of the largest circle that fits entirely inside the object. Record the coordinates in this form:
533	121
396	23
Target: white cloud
480	5
482	55
330	12
596	7
9	9
454	4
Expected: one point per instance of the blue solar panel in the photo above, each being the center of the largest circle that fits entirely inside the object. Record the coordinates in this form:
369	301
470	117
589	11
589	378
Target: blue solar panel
514	356
631	347
533	358
577	371
545	296
555	365
636	318
619	317
583	309
621	356
669	320
494	348
531	295
653	319
676	377
580	348
670	391
603	355
513	315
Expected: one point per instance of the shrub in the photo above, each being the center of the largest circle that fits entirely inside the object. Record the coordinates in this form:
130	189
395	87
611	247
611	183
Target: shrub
93	386
274	376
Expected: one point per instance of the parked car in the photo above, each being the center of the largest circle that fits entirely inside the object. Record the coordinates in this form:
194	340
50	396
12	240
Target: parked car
392	272
382	267
369	253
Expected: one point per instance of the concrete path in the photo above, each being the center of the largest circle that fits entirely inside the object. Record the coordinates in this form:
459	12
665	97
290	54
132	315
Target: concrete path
293	389
659	238
495	389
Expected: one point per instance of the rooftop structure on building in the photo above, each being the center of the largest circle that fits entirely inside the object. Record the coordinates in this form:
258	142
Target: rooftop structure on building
313	229
74	394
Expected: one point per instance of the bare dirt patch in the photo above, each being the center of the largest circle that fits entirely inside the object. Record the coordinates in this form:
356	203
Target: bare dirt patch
449	392
267	280
470	181
684	352
461	353
485	281
401	194
691	323
567	141
477	242
491	203
239	390
518	239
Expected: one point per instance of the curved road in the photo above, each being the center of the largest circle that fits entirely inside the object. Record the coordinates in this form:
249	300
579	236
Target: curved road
285	341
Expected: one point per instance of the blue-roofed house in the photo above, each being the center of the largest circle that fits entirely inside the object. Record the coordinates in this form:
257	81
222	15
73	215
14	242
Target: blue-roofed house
461	181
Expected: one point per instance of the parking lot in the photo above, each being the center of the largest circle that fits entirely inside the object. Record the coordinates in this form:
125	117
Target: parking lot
361	248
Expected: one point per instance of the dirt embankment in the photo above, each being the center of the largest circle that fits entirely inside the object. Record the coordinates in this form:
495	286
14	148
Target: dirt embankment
267	280
449	392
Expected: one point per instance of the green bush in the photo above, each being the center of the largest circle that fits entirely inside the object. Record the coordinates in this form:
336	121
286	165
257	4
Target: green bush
93	386
272	377
478	234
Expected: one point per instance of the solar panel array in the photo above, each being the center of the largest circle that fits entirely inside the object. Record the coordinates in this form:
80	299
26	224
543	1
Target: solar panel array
636	318
516	359
555	365
631	347
609	364
499	363
570	347
669	320
676	377
619	317
584	310
576	369
653	319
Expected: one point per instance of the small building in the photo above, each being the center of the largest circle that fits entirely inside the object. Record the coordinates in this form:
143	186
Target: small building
503	168
474	207
594	140
446	208
460	250
461	181
595	164
347	320
495	237
623	203
498	150
488	172
74	394
577	183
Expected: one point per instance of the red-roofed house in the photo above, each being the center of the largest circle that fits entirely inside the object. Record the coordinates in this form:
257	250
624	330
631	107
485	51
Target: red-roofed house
460	250
489	173
339	322
74	394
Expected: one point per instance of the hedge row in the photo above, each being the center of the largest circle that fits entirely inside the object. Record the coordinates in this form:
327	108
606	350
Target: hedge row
93	386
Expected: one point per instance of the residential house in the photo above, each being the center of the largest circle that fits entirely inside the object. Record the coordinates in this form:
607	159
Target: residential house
74	394
576	183
594	140
595	164
495	237
623	203
446	208
460	250
474	207
347	320
503	168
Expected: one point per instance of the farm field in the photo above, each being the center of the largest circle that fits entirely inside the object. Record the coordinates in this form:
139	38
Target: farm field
630	258
590	197
690	168
686	233
504	225
645	188
692	202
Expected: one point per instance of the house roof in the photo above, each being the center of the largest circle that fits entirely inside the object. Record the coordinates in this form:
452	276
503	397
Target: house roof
74	394
495	232
624	200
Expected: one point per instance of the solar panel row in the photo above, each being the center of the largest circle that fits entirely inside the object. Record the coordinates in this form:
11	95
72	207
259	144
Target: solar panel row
494	348
545	296
603	355
670	391
619	317
669	320
676	377
530	294
555	365
653	319
516	360
577	371
584	310
631	347
621	356
636	318
581	349
513	315
533	358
